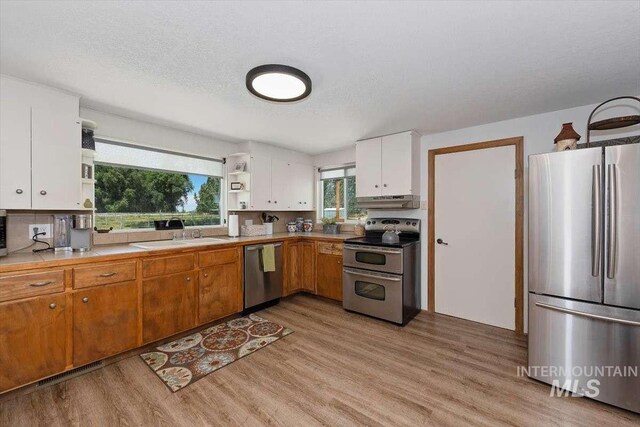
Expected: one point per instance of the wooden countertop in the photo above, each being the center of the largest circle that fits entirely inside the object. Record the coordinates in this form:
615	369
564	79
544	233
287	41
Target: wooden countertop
26	261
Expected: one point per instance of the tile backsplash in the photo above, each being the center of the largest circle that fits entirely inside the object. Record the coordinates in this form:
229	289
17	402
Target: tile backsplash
284	217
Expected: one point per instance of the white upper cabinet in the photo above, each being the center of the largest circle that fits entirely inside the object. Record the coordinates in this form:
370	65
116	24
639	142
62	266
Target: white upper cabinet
260	183
40	148
15	147
388	165
368	163
279	185
56	159
303	193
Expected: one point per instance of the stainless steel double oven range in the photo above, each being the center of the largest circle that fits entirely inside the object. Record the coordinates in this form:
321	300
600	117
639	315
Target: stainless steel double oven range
383	279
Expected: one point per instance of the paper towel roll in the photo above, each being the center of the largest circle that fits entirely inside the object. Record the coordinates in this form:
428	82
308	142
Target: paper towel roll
234	230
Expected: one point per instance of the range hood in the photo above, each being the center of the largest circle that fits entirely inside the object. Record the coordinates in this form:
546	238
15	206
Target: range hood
389	202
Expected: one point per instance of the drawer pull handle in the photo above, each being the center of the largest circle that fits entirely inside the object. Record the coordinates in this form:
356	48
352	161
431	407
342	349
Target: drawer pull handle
19	191
43	192
85	300
113	273
40	284
52	305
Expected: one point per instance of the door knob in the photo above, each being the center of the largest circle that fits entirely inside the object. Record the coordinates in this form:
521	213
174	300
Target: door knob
442	242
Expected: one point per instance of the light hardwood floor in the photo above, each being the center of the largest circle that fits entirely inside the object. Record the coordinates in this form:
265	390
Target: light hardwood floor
338	368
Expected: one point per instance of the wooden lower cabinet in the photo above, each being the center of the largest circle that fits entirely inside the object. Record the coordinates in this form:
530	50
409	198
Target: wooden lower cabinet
308	260
168	305
219	291
329	276
293	268
33	339
105	321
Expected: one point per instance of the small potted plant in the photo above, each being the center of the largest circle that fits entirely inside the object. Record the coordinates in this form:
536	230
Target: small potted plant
329	226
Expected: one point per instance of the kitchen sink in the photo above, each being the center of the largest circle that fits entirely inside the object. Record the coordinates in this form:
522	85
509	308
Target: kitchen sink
158	244
166	244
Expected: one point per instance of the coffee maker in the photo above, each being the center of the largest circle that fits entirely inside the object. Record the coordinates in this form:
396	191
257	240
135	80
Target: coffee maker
72	232
81	230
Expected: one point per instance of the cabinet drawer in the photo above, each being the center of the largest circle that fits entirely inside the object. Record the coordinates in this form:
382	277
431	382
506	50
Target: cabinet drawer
167	265
330	248
30	285
104	274
219	257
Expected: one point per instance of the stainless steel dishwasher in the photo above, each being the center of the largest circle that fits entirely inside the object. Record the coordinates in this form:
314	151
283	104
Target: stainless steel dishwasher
261	288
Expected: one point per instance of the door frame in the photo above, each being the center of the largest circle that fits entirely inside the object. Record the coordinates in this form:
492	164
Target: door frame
519	225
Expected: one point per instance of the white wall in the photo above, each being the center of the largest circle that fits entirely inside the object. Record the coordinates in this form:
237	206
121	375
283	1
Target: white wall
336	158
273	152
153	135
538	132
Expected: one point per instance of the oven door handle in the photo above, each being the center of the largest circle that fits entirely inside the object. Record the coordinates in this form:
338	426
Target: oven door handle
374	249
372	276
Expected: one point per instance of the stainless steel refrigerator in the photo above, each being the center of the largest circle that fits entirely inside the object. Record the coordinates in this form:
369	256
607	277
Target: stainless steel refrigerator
584	272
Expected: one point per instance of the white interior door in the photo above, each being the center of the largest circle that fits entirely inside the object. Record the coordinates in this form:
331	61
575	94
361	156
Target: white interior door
475	217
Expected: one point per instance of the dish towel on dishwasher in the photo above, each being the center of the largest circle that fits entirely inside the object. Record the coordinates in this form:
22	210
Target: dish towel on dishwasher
268	258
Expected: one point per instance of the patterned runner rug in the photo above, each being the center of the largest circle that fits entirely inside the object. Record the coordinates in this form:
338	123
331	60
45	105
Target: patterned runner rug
184	361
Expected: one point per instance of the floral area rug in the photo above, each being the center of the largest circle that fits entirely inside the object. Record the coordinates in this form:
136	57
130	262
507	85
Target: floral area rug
184	361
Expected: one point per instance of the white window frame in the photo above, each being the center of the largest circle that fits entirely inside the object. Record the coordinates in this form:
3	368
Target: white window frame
320	190
223	193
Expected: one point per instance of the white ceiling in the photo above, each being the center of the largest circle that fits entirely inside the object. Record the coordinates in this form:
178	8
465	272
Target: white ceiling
377	68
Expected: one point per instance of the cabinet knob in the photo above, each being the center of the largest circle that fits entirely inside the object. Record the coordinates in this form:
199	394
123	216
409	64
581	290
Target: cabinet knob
43	192
205	275
19	191
376	185
268	201
299	203
85	300
384	185
52	305
275	201
188	279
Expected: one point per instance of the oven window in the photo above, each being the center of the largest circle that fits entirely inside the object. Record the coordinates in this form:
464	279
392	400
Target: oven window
371	258
370	290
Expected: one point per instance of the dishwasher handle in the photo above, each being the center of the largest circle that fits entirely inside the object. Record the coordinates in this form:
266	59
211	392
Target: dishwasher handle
258	247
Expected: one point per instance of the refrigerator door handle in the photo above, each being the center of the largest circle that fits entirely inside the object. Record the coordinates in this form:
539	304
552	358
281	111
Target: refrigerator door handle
596	208
588	315
612	244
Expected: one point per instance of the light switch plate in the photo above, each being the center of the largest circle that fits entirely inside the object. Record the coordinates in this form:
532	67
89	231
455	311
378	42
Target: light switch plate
46	228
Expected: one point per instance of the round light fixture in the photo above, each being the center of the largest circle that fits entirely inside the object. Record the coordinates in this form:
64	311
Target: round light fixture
278	83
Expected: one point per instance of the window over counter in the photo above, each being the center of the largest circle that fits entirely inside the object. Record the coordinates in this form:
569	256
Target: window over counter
136	185
338	194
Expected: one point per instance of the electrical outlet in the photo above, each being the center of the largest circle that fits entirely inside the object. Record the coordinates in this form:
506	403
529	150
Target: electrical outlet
42	228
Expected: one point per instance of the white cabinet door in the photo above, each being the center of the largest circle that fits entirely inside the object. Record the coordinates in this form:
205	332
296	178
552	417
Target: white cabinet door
302	181
368	165
281	185
260	183
15	149
56	158
396	164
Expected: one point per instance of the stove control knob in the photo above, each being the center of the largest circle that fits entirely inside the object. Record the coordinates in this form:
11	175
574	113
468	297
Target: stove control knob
408	222
368	222
373	222
413	223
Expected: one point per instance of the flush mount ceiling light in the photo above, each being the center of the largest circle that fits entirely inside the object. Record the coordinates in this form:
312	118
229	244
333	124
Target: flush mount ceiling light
278	83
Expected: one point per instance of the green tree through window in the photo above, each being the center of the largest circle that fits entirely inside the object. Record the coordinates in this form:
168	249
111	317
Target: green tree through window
134	198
